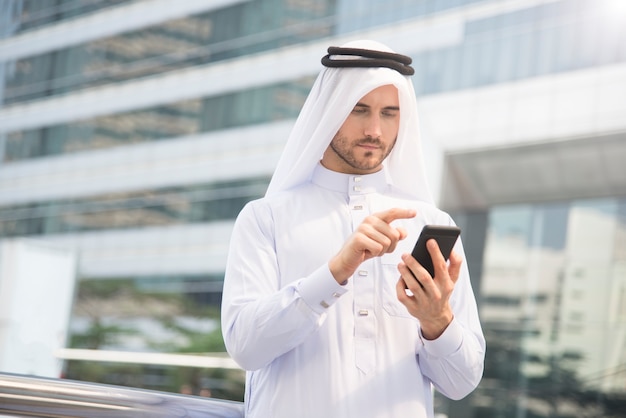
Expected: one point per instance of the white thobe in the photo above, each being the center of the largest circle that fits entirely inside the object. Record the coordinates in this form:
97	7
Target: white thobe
314	348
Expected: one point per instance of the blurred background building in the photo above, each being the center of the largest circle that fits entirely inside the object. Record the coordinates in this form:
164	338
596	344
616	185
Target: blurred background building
133	132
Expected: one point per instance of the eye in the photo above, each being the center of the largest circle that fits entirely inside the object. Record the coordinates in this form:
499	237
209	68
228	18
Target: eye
390	113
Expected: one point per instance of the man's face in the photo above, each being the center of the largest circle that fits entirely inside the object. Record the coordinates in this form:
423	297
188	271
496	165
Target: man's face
368	134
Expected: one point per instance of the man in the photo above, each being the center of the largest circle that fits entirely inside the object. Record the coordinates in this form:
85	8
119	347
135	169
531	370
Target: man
315	304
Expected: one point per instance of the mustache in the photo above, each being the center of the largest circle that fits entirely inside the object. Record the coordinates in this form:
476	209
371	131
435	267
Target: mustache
368	140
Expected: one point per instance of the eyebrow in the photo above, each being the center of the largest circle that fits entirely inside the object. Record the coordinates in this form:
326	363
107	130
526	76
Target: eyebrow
359	104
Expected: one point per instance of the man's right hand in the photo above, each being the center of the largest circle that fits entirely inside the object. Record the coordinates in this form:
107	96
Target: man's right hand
374	237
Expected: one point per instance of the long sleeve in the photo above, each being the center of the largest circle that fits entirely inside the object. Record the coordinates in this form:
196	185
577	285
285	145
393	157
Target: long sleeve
261	320
454	362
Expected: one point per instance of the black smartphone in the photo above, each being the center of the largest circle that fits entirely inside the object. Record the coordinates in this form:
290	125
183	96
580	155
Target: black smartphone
445	236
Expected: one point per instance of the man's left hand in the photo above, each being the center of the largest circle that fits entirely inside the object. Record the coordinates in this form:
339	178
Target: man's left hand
430	297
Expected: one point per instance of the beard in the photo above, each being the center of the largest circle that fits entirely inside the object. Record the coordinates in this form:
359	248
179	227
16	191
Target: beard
350	153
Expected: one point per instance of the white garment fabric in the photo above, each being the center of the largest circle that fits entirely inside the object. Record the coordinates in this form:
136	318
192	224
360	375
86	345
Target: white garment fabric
314	348
332	98
311	347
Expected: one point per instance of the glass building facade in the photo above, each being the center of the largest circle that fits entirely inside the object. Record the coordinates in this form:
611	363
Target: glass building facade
553	299
137	145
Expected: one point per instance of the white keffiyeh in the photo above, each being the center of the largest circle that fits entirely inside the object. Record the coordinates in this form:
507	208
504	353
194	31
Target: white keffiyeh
333	96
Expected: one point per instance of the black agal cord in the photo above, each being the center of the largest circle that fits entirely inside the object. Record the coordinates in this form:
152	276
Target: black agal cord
369	59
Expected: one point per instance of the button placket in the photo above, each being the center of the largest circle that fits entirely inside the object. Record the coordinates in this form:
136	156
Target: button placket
363	287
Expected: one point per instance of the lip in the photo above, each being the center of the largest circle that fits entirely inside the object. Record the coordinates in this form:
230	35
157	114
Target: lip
369	146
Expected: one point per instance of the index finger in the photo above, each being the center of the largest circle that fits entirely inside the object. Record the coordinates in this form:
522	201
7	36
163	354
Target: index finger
392	214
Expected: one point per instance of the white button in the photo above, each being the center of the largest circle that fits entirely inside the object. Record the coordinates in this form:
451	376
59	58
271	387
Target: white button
363	312
357	188
358	207
324	304
336	295
357	179
362	272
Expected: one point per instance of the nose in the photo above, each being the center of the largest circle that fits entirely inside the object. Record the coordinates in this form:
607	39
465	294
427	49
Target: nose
372	127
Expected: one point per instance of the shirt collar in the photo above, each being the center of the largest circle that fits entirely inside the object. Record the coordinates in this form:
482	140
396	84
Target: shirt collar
351	184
